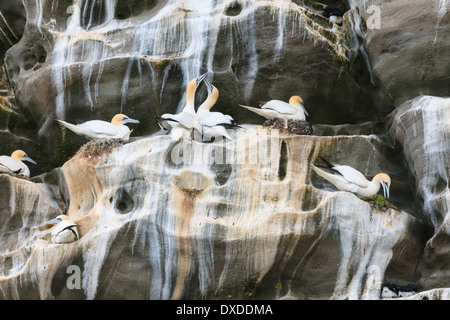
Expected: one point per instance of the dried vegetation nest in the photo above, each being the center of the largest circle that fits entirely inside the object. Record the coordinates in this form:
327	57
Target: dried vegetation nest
298	127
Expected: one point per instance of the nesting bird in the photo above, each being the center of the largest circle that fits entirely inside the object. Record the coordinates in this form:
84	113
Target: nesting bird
346	178
98	129
333	14
65	231
273	109
212	124
389	291
181	124
392	290
14	163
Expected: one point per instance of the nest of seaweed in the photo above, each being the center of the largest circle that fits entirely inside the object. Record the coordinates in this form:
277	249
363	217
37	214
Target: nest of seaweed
378	202
298	127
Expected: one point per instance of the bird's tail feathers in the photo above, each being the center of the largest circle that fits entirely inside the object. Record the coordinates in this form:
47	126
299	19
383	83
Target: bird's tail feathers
230	125
160	122
68	125
329	165
259	111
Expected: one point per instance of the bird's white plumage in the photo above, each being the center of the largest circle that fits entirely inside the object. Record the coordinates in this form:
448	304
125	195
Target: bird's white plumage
215	132
184	120
99	129
14	163
351	180
387	293
277	109
215	118
352	175
65	232
8	164
211	124
280	107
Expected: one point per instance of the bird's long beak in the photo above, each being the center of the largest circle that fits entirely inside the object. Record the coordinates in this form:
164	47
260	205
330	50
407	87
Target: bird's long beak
304	109
385	189
56	220
26	158
209	85
200	78
129	120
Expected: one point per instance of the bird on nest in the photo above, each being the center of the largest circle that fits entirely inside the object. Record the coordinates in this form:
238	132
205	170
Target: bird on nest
346	178
99	129
14	163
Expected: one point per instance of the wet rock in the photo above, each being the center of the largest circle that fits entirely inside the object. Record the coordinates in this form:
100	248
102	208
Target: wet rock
91	62
420	127
184	235
12	24
422	41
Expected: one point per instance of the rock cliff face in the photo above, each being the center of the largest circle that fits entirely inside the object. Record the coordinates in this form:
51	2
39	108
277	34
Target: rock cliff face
183	227
421	127
243	219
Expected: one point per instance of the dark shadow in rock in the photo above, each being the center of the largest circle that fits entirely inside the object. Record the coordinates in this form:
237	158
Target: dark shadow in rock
233	9
122	201
282	167
67	281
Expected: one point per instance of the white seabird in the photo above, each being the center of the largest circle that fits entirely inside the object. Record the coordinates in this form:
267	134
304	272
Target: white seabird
183	121
273	109
212	124
98	129
14	163
65	231
389	291
333	14
407	291
349	179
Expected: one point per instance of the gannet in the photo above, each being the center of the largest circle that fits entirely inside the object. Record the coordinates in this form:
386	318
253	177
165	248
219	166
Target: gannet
294	110
98	129
408	290
14	163
390	291
333	14
186	117
349	179
213	124
65	231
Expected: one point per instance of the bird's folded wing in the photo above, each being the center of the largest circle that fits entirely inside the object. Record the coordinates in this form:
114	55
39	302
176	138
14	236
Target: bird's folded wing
280	106
352	175
9	163
215	118
184	119
63	225
99	127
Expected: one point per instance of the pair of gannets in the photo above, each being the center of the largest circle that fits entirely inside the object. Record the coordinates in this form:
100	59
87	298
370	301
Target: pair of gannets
208	124
346	178
181	124
14	163
65	230
213	124
277	109
98	129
